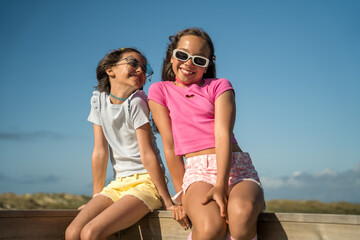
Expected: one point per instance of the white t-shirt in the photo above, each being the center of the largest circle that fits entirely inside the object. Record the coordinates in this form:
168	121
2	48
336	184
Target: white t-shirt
119	123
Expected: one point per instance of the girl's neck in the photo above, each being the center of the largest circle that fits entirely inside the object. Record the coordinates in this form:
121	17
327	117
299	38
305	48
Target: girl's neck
181	84
119	95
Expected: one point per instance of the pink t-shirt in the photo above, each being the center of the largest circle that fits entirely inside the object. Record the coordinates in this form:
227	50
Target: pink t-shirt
192	112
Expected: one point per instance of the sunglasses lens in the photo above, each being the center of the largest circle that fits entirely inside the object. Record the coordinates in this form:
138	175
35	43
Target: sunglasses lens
200	61
133	63
183	56
148	70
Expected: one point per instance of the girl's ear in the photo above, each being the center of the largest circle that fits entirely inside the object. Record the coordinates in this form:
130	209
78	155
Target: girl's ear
110	72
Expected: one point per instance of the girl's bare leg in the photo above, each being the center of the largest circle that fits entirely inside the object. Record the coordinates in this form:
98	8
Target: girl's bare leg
120	215
245	202
93	208
206	220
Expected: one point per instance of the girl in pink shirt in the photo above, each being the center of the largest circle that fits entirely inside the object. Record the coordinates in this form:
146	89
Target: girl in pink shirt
218	187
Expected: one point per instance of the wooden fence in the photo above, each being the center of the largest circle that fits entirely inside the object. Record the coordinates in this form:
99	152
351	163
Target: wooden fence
159	225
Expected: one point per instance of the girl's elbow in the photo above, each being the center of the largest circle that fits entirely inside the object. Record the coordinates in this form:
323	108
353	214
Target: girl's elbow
149	160
99	155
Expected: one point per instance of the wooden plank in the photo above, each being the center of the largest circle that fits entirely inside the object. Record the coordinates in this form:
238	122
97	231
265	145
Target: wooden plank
51	224
34	225
158	226
314	231
283	226
307	217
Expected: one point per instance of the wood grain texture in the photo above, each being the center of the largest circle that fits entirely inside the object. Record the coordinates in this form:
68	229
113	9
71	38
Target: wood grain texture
159	225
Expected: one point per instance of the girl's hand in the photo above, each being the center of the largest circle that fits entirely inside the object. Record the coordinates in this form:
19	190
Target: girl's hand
168	205
219	195
81	207
179	214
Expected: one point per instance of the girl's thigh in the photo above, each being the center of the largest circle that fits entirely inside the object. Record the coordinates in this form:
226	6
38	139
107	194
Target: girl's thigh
120	215
92	209
201	214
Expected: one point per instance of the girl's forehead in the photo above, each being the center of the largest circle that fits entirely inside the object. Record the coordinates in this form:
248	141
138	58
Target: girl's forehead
133	55
194	44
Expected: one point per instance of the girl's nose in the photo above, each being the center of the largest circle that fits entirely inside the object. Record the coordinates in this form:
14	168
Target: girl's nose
139	69
189	62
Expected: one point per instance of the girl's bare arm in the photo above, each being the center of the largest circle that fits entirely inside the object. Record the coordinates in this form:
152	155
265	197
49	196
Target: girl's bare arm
99	159
151	163
224	123
175	163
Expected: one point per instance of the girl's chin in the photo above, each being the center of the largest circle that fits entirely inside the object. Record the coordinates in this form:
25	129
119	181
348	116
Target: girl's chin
186	77
187	80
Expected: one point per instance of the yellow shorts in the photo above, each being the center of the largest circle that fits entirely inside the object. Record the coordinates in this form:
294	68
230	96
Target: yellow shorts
137	185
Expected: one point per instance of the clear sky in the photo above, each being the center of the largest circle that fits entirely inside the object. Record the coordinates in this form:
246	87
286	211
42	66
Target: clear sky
295	67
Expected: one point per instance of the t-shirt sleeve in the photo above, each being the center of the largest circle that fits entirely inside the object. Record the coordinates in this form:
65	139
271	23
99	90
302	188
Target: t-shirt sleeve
94	115
139	110
220	86
156	93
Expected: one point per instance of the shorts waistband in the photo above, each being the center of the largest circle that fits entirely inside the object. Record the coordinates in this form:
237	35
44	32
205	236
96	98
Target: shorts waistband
235	148
135	175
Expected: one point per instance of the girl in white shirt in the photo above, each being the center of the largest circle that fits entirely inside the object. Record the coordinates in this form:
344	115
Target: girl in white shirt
120	117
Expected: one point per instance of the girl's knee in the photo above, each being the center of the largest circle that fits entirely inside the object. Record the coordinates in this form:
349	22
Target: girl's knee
245	211
72	232
243	220
90	232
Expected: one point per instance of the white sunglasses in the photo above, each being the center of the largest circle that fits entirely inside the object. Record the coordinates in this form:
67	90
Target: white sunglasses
184	56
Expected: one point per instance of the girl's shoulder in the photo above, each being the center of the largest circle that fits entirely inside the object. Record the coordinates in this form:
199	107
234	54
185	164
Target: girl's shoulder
138	97
97	95
96	99
159	89
216	86
216	81
159	85
138	94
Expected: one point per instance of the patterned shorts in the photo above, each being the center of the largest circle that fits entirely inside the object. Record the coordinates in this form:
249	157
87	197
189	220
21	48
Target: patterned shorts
203	169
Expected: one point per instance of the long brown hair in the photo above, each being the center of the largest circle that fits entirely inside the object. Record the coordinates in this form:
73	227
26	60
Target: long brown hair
167	71
110	60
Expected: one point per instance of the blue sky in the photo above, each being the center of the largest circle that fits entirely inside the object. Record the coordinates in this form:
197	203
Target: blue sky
294	66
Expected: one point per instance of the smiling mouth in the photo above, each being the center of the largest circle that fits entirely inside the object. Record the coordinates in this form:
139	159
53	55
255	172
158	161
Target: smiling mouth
186	72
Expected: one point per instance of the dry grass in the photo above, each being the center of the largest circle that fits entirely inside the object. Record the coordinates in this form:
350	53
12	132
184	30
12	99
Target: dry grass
70	201
291	206
42	201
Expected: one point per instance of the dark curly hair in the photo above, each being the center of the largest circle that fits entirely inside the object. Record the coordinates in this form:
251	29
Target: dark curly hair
110	60
167	71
